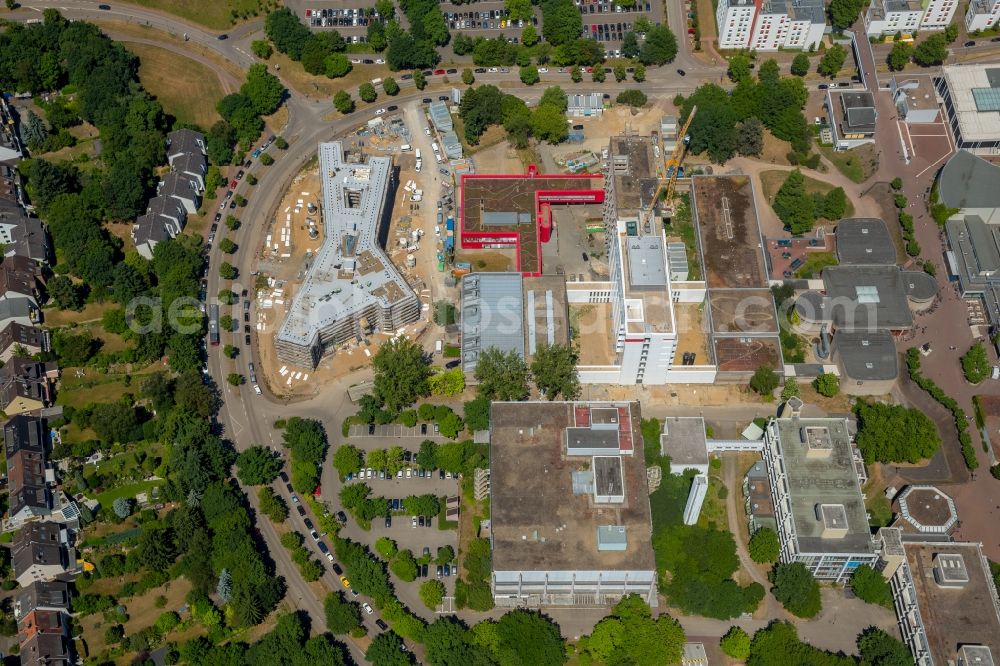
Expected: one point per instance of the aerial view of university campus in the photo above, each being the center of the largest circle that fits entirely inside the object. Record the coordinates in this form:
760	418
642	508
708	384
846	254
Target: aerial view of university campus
497	333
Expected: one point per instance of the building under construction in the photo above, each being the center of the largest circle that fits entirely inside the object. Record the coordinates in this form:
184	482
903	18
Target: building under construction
352	288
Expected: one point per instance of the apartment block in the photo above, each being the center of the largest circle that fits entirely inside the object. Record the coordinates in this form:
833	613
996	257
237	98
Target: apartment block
734	19
982	14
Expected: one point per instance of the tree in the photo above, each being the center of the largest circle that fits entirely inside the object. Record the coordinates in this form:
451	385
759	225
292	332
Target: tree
419	80
261	48
341	615
871	586
632	97
548	123
660	46
227	246
529	36
257	466
932	51
529	75
227	271
597	76
639	75
271	505
764	546
224	589
797	590
630	45
739	67
401	374
832	60
343	102
447	383
366	91
64	293
976	364
554	371
576	74
827	384
263	89
519	10
422	505
736	643
793	205
800	64
900	56
834	205
431	593
336	65
750	137
630	635
390	86
236	379
347	459
892	433
879	648
286	32
477	414
404	566
764	380
561	21
501	375
386	547
122	506
843	13
468	78
387	650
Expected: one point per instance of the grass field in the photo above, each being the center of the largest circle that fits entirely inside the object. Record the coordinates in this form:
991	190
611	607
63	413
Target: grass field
216	14
189	93
321	87
771	182
109	496
857	164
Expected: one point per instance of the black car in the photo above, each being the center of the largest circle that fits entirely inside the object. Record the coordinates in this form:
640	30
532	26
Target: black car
371	429
406	77
381	624
247	339
391	107
388	521
968	44
423	428
283	477
995	39
420	521
453	71
215	227
443	98
240	174
106	8
246	316
342	517
337	570
449	365
322	548
222	38
427	100
308	523
578	127
368	61
823	86
302	511
844	84
480	70
428	72
288	487
246	329
423	570
682	72
440	473
585	257
218	216
246	165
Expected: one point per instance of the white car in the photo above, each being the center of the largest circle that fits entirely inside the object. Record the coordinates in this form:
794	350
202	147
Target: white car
355	61
368	608
427	131
399	474
413	522
543	70
408	472
379	61
493	70
256	389
329	556
379	112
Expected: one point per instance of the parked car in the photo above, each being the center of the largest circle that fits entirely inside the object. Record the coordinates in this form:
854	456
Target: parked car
323	548
295	498
346	583
392	107
413	522
308	523
439	72
388	521
381	624
420	521
440	571
423	570
283	477
969	43
337	570
342	517
368	608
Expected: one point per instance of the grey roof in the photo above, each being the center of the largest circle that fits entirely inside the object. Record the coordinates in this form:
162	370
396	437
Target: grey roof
11	308
859	110
646	262
150	228
38	543
31	337
492	315
683	439
185	141
24	433
585	101
350	273
167	207
866	297
46	649
864	240
193	163
968	181
867	356
440	115
41	594
178	185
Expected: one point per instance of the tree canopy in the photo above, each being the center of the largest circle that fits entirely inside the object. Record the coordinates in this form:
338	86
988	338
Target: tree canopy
764	546
630	635
501	375
796	589
553	369
257	465
893	433
871	586
401	374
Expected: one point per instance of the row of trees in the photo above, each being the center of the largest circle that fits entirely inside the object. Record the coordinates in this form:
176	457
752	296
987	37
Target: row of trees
260	95
778	643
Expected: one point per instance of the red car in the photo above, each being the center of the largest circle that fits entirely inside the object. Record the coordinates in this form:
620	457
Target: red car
438	72
589	70
318	491
232	184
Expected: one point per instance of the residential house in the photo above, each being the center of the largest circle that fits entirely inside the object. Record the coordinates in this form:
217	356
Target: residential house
24	446
19	279
181	187
11	149
44	649
164	218
193	165
41	551
19	310
185	142
50	595
16	338
51	623
26	386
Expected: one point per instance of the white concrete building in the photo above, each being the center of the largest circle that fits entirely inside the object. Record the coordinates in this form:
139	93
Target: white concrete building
789	24
982	14
938	14
734	19
887	17
971	96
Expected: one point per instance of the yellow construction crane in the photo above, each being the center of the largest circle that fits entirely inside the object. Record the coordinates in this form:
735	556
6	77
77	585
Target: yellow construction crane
673	165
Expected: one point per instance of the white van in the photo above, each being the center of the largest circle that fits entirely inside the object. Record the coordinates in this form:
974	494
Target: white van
434	147
418	154
405	148
438	346
376	82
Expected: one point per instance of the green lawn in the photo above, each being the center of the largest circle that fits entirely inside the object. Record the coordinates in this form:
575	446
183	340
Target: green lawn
814	264
215	14
851	163
109	496
189	93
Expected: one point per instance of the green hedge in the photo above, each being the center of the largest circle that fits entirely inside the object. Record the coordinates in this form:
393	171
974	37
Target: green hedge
949	403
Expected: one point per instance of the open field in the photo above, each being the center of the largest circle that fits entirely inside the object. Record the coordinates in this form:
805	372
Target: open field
188	93
109	496
323	88
218	14
771	182
54	318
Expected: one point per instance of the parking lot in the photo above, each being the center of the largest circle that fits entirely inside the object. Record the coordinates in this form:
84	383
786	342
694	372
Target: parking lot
424	431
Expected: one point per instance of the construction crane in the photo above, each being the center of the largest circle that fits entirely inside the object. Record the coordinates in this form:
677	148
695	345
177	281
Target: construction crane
673	165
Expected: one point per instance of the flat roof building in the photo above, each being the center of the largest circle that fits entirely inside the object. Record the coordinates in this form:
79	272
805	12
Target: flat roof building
868	362
683	438
852	118
815	474
568	526
351	288
971	95
946	604
864	241
585	105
